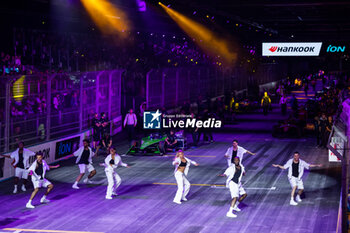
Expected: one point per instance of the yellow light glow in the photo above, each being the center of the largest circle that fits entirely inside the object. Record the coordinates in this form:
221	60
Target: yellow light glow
108	18
210	42
18	89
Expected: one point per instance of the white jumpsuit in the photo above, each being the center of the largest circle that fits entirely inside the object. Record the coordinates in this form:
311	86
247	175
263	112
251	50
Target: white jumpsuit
183	185
113	178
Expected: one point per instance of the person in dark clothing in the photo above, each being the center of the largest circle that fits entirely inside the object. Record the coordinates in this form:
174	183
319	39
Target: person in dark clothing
171	142
207	132
283	103
329	124
195	133
323	126
294	105
107	142
104	124
96	134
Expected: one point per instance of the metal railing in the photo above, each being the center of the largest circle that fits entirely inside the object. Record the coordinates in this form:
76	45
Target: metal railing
169	87
38	108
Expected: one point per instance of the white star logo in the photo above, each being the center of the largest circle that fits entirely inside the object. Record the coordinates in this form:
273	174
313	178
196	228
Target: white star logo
156	115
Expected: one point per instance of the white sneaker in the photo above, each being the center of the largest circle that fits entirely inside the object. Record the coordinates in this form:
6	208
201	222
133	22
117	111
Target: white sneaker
44	200
29	206
24	188
184	199
15	190
75	186
298	199
115	194
236	208
231	215
109	198
177	202
292	202
87	181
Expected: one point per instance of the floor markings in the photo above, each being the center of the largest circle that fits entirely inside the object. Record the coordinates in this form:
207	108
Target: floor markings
256	188
200	156
219	186
16	230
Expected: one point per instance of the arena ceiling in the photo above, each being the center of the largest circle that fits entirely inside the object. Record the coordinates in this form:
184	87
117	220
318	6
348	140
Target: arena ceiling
295	19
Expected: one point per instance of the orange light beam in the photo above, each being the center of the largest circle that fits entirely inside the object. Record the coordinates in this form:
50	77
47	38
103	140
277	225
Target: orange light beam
107	17
205	38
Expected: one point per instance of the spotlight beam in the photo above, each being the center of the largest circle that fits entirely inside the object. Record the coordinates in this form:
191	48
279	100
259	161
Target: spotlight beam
205	38
107	17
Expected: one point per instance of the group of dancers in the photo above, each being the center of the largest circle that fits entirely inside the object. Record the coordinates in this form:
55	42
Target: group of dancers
234	173
84	154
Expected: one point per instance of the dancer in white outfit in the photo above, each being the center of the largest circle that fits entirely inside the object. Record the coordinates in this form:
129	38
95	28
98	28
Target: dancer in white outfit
234	151
21	164
84	160
182	165
112	161
234	175
296	168
38	170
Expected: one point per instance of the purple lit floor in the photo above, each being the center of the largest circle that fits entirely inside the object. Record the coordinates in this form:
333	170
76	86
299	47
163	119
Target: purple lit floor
146	207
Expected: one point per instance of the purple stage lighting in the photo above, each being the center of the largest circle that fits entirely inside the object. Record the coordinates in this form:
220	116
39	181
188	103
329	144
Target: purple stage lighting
141	5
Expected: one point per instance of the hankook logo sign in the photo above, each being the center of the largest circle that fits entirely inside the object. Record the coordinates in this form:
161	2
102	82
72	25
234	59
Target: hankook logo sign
291	49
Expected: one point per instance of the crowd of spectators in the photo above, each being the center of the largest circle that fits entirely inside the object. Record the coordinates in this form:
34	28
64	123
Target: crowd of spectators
316	113
10	64
28	106
39	51
36	104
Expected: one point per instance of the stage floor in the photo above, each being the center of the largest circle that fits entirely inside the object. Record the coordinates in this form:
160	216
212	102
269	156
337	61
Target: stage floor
147	190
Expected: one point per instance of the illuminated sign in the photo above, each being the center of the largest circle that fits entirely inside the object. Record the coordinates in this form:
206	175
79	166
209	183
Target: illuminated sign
291	49
335	49
67	147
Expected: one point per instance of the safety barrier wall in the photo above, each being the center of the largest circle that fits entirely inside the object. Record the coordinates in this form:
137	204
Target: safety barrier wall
53	151
338	145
